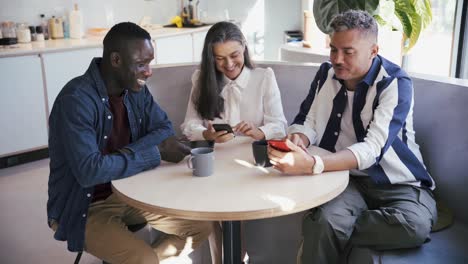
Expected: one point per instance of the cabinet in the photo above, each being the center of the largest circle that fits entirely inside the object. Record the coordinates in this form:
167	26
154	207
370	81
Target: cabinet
22	105
175	49
61	67
31	84
180	48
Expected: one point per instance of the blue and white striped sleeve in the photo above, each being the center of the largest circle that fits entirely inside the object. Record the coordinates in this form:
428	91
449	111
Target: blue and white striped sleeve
393	103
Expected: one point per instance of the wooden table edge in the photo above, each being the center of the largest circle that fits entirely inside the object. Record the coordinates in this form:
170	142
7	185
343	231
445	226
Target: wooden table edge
229	216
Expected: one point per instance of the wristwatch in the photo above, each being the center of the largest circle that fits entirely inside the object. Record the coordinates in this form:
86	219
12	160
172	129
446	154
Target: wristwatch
318	165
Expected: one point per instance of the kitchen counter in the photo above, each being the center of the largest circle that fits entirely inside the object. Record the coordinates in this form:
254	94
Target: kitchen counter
295	52
56	45
49	65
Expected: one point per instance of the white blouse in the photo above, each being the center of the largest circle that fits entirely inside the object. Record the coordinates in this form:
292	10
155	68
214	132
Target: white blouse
253	96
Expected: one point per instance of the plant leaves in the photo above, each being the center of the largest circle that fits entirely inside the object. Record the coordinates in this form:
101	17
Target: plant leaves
414	15
325	10
426	13
386	11
405	18
380	20
415	32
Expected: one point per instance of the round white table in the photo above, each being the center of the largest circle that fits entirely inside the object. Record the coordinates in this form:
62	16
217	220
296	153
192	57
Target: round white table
237	190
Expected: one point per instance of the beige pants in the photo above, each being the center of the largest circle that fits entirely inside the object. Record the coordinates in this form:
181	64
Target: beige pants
107	236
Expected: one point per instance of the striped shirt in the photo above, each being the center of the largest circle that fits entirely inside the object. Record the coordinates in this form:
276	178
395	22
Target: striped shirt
382	117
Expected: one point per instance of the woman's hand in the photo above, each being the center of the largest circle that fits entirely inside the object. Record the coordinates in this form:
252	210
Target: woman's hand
248	129
297	161
218	137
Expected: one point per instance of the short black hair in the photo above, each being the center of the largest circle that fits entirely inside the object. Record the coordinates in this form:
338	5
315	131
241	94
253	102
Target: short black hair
116	40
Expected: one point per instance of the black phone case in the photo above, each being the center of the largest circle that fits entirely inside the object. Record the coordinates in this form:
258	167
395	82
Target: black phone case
220	127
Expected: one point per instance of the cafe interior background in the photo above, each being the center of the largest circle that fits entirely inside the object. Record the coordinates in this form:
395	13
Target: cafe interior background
441	52
264	23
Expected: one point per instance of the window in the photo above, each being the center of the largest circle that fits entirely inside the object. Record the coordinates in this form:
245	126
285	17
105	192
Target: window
462	56
432	54
442	48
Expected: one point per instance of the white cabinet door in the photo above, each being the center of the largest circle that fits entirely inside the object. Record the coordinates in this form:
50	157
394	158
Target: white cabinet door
61	67
22	105
176	49
198	42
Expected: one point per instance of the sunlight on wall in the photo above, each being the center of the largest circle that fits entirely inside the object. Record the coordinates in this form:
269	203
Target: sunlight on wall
254	29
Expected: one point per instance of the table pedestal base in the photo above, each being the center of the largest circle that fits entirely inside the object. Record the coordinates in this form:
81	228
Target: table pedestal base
231	242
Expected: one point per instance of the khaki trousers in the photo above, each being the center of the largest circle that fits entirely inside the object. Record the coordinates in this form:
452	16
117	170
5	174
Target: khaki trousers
107	237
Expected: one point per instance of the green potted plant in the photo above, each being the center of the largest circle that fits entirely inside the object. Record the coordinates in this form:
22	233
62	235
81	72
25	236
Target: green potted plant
408	16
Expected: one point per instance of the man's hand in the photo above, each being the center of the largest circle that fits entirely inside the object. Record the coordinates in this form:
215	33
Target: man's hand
297	161
172	150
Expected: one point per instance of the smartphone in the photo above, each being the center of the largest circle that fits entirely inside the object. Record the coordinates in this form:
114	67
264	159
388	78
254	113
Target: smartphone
221	127
279	144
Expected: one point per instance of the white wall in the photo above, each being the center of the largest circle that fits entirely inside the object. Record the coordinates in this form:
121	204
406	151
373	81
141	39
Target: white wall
279	15
96	13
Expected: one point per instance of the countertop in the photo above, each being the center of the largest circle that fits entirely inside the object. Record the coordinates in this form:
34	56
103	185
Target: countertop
297	47
294	51
48	46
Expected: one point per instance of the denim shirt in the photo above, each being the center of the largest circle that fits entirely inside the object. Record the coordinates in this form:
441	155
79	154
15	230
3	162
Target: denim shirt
79	127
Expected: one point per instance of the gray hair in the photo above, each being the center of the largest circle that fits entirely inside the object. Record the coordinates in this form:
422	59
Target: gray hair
355	19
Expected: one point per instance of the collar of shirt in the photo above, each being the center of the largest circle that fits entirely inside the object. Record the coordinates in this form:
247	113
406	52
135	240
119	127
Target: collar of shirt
241	81
232	95
371	75
97	78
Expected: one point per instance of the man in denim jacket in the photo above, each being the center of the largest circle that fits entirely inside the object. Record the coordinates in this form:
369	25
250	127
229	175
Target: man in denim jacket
106	126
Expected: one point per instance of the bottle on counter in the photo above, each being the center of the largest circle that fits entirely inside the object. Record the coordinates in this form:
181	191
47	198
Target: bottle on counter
184	15
66	27
308	25
76	23
196	10
8	33
45	27
190	10
23	33
56	28
39	34
32	29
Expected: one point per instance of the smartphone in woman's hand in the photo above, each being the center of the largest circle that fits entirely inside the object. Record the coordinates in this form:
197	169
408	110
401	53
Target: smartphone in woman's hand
223	127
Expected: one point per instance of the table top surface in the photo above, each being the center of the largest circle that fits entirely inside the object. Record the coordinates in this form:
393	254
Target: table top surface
237	190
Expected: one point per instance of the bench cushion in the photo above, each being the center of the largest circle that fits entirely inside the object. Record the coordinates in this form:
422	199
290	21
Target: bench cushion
446	246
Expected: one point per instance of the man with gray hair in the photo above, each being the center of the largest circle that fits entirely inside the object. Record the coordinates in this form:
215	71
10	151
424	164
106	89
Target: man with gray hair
360	108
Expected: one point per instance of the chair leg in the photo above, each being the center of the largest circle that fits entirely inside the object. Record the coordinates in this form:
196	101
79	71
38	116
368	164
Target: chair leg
78	257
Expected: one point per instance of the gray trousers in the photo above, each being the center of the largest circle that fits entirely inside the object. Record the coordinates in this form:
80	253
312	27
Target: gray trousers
379	217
